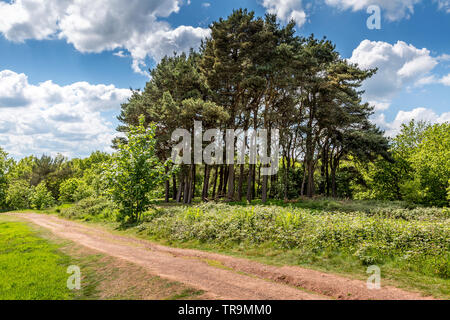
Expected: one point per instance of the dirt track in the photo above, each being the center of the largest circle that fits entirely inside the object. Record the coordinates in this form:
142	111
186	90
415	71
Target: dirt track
222	277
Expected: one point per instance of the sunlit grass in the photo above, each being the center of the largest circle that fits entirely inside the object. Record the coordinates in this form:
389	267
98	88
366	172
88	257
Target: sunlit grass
31	268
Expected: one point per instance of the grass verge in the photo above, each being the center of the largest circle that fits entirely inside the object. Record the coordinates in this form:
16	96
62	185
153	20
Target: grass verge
33	266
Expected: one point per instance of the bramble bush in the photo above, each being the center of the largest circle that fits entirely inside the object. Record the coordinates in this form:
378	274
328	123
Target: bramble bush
414	242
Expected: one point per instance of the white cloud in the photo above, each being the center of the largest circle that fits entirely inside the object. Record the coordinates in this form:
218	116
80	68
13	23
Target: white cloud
446	80
399	66
392	9
380	106
96	26
48	118
444	5
120	54
403	117
286	10
206	4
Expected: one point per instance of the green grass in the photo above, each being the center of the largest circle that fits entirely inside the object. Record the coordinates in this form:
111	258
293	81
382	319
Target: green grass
31	268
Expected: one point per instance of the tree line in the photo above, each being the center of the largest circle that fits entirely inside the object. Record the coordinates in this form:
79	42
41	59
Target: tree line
253	73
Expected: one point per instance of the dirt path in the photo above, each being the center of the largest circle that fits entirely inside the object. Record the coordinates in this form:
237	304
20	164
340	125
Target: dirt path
222	277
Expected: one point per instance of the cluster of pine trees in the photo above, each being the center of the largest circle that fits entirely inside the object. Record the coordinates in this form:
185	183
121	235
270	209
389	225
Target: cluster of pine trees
254	73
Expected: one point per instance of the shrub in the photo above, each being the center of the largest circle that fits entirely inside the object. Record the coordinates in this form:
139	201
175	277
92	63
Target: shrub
67	190
73	190
90	208
18	195
42	198
135	171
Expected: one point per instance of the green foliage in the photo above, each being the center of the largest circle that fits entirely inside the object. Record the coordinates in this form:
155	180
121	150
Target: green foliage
420	169
5	165
419	245
431	164
41	198
31	268
73	190
67	190
22	170
90	209
19	195
134	171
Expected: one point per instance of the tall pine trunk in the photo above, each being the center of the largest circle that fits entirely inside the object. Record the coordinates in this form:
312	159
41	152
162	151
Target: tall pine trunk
230	195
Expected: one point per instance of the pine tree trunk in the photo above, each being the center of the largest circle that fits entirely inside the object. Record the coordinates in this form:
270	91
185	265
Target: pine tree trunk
241	182
221	178
250	188
167	191
215	182
304	180
181	189
174	187
264	189
230	195
187	187
286	182
225	180
206	179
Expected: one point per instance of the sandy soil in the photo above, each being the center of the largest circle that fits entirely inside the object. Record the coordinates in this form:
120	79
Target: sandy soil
222	277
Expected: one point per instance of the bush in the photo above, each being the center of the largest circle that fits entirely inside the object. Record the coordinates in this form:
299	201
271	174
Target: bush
135	171
73	190
90	208
83	191
18	195
42	198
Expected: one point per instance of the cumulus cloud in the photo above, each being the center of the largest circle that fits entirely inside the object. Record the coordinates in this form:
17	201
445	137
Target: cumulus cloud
96	26
48	118
404	117
286	10
399	66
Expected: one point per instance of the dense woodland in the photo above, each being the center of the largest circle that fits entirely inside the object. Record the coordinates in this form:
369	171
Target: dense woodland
251	73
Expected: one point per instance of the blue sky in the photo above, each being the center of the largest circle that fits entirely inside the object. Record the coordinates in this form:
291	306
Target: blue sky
66	65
